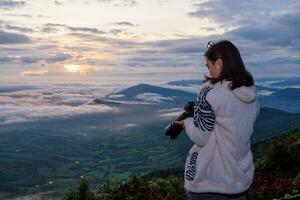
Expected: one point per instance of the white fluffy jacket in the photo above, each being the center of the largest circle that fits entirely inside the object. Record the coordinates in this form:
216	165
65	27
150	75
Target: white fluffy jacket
221	160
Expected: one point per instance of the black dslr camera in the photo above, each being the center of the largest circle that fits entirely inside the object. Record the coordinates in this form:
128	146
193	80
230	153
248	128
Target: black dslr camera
173	129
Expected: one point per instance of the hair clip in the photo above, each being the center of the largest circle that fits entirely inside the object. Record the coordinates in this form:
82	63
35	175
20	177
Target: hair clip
209	44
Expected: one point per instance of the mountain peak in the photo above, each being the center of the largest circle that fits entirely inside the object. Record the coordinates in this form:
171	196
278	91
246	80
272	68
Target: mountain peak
142	88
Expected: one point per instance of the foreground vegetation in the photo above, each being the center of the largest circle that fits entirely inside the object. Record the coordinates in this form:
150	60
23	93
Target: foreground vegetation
277	175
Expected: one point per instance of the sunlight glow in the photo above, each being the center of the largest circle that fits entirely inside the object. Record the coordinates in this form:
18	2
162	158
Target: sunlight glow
72	68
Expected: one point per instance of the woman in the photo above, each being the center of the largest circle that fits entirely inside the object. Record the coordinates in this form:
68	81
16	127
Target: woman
220	164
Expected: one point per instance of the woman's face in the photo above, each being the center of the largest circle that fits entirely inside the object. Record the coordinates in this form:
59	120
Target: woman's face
215	68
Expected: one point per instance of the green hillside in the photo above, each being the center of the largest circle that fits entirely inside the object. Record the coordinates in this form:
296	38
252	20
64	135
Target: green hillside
277	175
46	160
272	122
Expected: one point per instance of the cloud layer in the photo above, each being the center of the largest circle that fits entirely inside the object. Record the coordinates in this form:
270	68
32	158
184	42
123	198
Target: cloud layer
13	38
25	103
10	4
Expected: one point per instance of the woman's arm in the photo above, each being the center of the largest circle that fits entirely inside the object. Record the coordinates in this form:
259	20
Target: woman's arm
201	126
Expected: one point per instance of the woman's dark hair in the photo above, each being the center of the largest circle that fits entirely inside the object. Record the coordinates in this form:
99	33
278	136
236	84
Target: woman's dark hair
234	69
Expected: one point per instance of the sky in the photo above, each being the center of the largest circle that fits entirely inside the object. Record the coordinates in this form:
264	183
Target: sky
131	41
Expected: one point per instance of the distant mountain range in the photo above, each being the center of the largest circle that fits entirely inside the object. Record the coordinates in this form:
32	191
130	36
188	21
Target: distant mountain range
289	82
259	88
287	99
287	94
278	82
146	88
145	93
185	82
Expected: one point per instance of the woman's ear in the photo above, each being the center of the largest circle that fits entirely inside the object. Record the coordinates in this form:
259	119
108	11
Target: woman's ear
219	63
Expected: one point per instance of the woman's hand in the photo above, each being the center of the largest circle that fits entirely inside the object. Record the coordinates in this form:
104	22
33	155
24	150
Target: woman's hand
180	123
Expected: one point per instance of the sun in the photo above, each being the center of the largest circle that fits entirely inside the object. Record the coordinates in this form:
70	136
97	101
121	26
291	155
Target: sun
73	68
